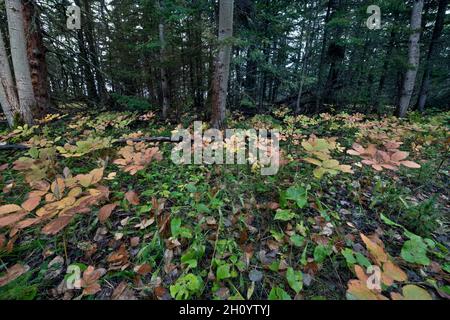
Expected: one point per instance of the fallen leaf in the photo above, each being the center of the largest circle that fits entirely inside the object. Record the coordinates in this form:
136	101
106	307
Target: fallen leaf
105	212
375	250
11	219
132	197
90	280
9	208
57	225
13	273
31	203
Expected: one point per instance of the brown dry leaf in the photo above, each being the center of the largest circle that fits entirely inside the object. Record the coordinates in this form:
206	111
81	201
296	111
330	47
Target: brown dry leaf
57	225
13	273
143	269
58	187
132	197
7	188
12	219
75	192
2	240
411	164
360	274
134	242
90	280
40	185
97	175
359	291
105	212
31	204
118	259
123	292
394	272
375	250
4	166
84	179
9	208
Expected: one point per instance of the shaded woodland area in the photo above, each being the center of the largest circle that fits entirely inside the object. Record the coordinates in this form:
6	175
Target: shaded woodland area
356	103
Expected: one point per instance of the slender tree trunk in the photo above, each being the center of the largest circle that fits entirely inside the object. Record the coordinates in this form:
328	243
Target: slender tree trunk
164	81
323	54
36	55
437	32
93	52
222	64
413	58
85	63
20	61
385	68
8	95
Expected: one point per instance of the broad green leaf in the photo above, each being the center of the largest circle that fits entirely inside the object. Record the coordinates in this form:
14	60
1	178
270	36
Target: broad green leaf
295	279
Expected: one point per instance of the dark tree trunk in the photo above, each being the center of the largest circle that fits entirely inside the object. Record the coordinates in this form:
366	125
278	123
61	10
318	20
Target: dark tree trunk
437	32
36	56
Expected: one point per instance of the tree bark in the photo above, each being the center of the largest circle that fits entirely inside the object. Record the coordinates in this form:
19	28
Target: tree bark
437	32
413	58
27	101
36	56
8	95
164	80
93	52
222	64
85	63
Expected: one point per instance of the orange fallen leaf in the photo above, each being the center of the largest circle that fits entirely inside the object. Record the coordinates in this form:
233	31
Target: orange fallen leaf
13	273
57	225
11	219
31	203
9	208
375	250
106	211
90	280
132	197
359	291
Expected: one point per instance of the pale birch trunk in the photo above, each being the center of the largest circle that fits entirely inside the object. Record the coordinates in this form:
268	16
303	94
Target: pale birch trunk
222	64
8	95
413	58
21	65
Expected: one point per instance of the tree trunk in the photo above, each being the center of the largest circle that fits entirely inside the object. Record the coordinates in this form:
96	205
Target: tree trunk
8	95
36	56
385	68
437	32
93	52
222	64
20	61
413	58
85	63
164	81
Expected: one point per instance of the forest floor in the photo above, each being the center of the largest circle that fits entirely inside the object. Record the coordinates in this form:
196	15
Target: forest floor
85	216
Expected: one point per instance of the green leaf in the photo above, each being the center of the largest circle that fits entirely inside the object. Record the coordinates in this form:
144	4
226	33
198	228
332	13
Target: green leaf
297	240
321	252
223	272
299	195
389	222
284	215
279	294
412	292
349	257
295	279
446	267
415	251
